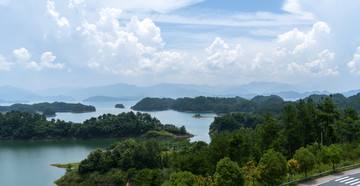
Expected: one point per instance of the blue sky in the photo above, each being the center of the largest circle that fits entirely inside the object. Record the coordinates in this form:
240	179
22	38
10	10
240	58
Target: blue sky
70	43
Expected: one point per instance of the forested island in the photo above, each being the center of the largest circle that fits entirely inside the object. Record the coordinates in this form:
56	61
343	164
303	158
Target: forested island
303	139
119	105
17	125
258	104
49	108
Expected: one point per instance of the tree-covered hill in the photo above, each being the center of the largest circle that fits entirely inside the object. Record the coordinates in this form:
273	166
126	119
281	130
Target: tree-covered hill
16	125
257	105
56	106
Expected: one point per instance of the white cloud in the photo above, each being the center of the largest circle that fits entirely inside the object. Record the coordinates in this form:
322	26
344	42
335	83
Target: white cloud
132	49
221	55
354	64
46	61
307	52
22	54
294	7
317	67
295	41
61	21
5	65
33	65
162	6
146	32
75	3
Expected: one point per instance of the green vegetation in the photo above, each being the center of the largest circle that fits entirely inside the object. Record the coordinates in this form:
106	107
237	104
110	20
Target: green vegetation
257	105
16	125
246	149
119	106
158	134
49	108
49	112
71	165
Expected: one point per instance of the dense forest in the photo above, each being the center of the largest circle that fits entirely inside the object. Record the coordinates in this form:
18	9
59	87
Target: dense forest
50	108
303	139
17	125
258	105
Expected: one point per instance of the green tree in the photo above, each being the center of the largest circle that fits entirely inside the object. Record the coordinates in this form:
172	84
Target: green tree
238	149
181	179
275	167
293	167
149	177
327	115
217	148
305	158
348	130
292	130
228	173
252	172
268	133
333	154
94	162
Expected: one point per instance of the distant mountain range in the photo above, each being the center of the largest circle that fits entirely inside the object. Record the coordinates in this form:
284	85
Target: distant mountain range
122	92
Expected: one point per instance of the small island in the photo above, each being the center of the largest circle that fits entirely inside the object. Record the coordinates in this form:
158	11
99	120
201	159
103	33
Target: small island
119	106
197	115
49	109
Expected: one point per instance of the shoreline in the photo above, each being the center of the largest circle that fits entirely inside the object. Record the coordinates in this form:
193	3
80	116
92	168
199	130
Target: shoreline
79	139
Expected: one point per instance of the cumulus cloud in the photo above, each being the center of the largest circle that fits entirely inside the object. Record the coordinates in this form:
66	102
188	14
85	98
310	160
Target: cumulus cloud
22	54
354	64
4	65
61	21
295	41
319	66
132	49
306	52
46	61
221	55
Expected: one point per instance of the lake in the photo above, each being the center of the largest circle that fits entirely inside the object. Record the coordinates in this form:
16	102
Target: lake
28	163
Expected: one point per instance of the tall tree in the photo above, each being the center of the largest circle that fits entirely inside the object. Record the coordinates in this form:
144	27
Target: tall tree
306	118
292	130
238	149
268	133
275	167
327	114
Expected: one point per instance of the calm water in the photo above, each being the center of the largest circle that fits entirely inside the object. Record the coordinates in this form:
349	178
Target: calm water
28	163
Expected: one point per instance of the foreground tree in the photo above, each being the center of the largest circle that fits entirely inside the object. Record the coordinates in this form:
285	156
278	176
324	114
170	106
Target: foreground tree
333	154
275	167
228	173
293	167
182	178
305	158
252	172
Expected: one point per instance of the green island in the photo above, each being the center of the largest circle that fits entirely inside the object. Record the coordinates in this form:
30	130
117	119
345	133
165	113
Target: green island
258	104
17	125
305	138
119	106
49	109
